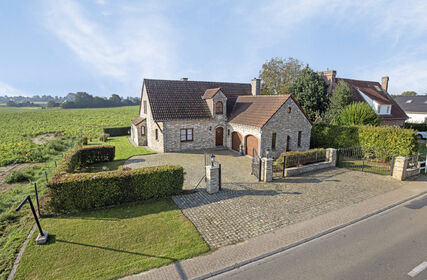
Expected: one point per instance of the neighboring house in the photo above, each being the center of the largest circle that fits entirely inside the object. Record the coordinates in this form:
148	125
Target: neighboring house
373	93
414	106
179	115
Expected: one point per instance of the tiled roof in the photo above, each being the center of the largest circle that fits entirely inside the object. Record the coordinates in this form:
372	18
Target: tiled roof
374	91
175	99
256	110
413	104
209	93
138	120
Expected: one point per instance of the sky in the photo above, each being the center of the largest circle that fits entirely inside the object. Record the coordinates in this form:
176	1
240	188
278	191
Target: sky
105	46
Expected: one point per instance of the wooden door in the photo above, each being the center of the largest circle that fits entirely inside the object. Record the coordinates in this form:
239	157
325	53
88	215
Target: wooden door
251	144
236	140
219	132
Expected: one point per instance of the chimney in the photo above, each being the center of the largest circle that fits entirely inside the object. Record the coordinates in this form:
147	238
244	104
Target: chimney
256	86
184	79
330	79
384	83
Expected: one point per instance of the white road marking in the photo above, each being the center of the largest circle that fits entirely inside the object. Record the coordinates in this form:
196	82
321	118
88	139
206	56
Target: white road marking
414	272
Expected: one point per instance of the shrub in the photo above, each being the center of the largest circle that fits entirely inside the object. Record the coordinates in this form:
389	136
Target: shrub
117	131
391	140
18	176
417	126
300	158
103	137
74	192
358	113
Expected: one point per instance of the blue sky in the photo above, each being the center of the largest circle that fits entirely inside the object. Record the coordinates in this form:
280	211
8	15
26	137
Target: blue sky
105	46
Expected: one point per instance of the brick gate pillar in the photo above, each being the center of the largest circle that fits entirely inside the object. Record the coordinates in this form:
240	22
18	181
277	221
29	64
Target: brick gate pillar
212	179
399	168
267	169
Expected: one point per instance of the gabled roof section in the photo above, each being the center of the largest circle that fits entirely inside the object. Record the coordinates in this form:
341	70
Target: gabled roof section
374	91
138	120
257	110
210	93
413	104
175	99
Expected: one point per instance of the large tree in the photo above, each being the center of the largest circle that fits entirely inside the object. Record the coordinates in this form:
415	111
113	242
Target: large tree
358	113
278	74
408	93
310	92
341	97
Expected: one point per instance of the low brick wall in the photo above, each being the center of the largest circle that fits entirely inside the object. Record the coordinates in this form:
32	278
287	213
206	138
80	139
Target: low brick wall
294	171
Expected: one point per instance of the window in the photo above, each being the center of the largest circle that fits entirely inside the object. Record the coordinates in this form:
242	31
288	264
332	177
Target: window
289	109
145	107
142	130
288	143
219	108
228	132
388	109
299	138
186	134
273	141
157	134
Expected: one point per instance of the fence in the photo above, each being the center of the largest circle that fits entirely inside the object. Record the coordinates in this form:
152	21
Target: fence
367	159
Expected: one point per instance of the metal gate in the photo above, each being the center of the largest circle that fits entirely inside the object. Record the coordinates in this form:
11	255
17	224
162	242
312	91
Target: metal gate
256	165
366	159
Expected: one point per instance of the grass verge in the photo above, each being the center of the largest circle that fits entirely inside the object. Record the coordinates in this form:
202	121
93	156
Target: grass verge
111	243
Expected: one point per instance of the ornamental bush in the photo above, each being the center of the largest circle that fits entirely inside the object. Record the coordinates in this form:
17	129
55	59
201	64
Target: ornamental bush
81	191
391	140
300	158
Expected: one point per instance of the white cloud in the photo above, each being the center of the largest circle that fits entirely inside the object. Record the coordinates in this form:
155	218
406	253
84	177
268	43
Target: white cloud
130	48
7	89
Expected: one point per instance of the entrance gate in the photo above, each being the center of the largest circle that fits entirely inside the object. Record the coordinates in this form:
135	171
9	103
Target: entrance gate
366	159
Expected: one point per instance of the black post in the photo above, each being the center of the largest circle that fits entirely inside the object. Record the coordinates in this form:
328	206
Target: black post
284	166
32	210
219	179
45	174
260	169
391	165
37	199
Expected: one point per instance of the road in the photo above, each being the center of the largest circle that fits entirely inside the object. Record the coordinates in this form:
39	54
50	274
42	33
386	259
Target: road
386	246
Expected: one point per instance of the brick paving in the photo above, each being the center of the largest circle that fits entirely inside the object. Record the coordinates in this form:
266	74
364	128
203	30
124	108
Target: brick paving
244	210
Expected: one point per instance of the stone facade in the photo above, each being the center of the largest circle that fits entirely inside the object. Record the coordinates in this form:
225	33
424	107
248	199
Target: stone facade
138	133
399	123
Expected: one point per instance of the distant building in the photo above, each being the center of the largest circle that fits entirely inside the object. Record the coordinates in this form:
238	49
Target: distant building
373	93
414	106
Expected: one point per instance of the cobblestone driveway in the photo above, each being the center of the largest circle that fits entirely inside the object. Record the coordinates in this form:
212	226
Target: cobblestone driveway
244	210
235	168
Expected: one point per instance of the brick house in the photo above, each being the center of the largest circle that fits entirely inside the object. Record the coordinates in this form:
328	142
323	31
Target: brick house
180	115
373	93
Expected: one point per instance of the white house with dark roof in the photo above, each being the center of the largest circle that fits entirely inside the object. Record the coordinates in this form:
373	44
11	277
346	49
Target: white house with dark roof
180	115
414	106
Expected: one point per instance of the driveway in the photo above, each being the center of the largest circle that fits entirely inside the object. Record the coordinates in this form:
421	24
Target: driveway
234	168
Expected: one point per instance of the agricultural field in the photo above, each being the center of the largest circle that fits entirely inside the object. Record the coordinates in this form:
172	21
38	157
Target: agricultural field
19	126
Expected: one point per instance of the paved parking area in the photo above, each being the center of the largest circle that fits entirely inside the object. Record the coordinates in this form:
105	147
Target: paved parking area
235	168
245	210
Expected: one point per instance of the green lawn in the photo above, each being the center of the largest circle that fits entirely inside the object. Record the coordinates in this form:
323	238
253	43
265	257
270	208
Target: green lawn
124	150
111	243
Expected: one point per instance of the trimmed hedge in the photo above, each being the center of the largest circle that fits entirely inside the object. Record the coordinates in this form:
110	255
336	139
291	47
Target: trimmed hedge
117	131
391	140
300	158
74	192
417	126
83	156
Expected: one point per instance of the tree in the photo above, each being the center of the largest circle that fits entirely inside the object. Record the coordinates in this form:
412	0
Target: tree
408	93
278	74
51	104
310	92
358	113
115	100
341	97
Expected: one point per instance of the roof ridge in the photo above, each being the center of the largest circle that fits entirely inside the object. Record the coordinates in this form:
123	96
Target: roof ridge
194	81
359	80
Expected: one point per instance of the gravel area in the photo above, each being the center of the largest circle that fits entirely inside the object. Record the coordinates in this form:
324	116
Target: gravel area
245	210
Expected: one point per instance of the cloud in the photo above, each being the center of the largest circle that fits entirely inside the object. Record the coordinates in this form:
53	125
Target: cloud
125	49
7	89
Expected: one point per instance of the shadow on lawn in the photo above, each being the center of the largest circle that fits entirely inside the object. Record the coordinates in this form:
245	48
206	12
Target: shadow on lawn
177	264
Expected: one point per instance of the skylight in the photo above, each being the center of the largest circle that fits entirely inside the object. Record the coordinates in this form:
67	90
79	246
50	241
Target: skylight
409	101
377	88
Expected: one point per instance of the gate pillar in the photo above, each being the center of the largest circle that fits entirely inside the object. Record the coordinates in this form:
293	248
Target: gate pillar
212	179
331	156
267	169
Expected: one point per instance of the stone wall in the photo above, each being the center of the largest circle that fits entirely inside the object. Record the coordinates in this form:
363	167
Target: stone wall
286	124
401	171
399	123
331	161
136	136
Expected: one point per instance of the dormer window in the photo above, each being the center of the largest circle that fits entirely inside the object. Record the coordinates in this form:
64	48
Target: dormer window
219	108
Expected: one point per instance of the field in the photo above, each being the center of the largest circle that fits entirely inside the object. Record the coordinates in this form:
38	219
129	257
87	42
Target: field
19	125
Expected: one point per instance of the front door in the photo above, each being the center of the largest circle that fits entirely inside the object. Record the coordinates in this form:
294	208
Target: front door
219	136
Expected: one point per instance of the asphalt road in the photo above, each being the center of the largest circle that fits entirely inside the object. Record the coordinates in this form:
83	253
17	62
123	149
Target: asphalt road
385	246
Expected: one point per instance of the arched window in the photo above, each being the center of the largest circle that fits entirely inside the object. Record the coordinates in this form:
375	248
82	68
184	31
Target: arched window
219	108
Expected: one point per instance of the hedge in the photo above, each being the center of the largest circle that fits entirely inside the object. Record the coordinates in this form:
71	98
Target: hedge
300	158
117	131
391	140
81	191
417	126
83	156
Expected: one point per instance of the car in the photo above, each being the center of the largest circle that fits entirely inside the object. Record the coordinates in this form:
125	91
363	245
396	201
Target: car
422	135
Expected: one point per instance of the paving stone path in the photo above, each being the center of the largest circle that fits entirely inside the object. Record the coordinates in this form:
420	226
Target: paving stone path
245	210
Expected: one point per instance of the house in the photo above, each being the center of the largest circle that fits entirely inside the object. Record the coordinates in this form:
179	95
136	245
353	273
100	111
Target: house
373	93
414	106
180	115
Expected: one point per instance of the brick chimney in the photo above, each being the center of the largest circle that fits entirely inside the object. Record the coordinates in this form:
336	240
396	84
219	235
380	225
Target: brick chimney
184	79
256	86
330	79
384	82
